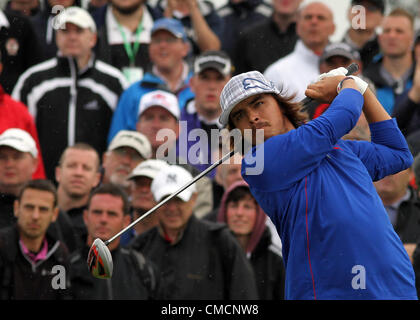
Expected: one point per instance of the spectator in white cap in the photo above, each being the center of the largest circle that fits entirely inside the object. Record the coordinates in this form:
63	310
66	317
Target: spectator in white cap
159	110
159	121
125	152
141	193
72	96
18	161
197	259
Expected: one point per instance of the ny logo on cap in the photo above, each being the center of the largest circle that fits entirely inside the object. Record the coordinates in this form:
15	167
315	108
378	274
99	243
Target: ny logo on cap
250	83
171	178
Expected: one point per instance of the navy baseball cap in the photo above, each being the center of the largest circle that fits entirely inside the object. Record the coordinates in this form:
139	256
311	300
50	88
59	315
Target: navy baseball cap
173	26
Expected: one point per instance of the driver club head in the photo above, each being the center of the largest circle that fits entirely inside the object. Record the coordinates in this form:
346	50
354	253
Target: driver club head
100	260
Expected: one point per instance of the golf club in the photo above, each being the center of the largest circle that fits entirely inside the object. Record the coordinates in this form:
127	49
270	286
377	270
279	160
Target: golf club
99	258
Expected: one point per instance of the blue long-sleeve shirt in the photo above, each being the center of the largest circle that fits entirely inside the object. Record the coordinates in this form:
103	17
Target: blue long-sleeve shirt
338	242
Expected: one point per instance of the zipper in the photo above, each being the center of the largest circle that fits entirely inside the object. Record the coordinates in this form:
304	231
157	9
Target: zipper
71	127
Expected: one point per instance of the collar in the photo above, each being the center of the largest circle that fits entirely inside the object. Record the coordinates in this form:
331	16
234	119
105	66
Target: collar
190	108
41	255
397	204
183	79
167	239
4	22
114	33
89	65
302	50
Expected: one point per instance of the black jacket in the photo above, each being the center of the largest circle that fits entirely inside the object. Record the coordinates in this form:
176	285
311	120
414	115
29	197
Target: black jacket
268	268
21	279
69	105
7	217
134	278
236	17
263	44
407	225
19	49
206	263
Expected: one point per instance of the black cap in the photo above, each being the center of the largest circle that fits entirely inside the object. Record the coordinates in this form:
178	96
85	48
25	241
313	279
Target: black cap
380	4
339	49
218	60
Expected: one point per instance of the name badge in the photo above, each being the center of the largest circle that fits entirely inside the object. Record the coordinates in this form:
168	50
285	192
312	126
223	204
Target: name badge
133	74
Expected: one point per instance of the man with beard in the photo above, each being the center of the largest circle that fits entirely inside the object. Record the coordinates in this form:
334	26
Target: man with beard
125	152
124	36
77	174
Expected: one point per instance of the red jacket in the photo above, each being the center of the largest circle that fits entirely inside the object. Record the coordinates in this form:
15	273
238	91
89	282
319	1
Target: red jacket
14	114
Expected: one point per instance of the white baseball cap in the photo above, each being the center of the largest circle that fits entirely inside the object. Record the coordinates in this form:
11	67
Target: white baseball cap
170	180
20	140
162	99
78	16
132	139
241	87
149	168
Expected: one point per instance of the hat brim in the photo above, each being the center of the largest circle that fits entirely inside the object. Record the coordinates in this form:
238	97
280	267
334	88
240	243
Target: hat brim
142	173
168	190
20	148
175	34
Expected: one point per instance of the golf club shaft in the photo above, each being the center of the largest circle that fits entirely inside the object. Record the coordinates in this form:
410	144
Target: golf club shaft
214	165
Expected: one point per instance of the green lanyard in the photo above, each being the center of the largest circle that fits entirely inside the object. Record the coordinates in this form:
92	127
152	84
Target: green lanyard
131	52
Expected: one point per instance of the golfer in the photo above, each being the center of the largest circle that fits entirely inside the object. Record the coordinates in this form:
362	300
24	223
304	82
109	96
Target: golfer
338	242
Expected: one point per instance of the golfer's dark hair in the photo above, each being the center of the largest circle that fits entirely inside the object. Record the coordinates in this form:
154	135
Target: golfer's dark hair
292	110
114	190
80	146
39	184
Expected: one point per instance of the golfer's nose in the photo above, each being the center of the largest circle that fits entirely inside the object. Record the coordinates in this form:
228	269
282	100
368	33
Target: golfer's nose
253	116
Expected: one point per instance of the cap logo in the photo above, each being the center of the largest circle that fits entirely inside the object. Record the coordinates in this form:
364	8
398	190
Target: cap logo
171	178
250	83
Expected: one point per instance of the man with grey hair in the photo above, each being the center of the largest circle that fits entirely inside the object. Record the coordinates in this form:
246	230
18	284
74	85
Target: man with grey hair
292	73
125	152
196	259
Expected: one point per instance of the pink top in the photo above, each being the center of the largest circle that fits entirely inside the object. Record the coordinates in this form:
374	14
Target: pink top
41	255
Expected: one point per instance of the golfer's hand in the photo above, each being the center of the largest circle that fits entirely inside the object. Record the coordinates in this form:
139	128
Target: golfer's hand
335	72
325	90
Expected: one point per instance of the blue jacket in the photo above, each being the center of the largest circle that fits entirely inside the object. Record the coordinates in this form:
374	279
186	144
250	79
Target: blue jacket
338	242
126	115
196	147
387	95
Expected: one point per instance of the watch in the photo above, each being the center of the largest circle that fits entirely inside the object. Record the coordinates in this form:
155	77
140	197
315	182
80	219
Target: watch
340	84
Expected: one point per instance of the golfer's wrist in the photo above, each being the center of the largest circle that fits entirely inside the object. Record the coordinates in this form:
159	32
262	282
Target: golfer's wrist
347	82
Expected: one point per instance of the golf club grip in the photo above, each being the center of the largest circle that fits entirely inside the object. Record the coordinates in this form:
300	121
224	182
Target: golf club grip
309	103
199	176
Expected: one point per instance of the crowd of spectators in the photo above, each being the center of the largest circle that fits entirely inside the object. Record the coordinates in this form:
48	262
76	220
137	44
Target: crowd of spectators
109	106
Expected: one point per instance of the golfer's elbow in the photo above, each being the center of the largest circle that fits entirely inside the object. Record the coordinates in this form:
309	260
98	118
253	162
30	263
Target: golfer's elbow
407	159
